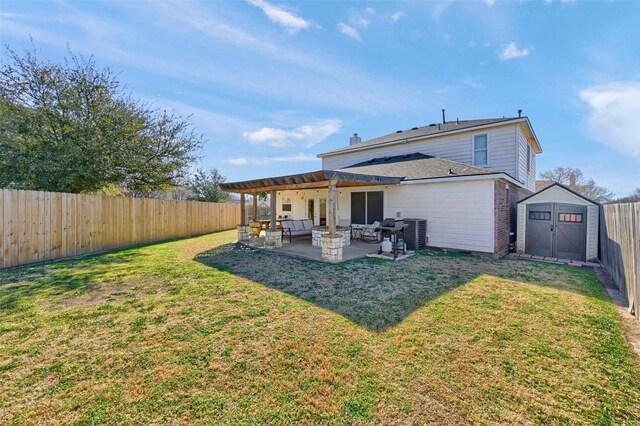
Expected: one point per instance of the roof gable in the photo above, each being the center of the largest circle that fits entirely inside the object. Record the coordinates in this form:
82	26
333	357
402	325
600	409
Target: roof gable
558	193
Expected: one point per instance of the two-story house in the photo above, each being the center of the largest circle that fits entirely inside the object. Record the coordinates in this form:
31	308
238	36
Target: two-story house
464	177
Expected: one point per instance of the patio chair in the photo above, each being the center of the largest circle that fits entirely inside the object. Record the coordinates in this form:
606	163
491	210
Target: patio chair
370	233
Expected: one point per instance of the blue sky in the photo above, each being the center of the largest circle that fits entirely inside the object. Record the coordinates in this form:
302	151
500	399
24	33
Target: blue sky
271	84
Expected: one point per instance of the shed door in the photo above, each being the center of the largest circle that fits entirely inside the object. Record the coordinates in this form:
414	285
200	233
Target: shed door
539	238
571	231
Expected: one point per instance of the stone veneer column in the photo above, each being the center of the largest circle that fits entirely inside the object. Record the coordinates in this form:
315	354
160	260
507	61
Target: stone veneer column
243	232
272	238
332	247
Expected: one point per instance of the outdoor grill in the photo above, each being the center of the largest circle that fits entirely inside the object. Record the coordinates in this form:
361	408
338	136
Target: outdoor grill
394	227
392	223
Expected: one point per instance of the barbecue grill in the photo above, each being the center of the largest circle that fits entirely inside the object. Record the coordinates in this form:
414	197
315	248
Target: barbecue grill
394	227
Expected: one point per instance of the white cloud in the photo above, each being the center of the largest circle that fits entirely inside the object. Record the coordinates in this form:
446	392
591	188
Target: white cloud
613	119
512	51
490	3
282	17
307	135
397	16
349	31
363	18
296	158
240	161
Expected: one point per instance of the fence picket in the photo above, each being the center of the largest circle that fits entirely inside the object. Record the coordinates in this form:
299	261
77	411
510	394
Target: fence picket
620	249
36	226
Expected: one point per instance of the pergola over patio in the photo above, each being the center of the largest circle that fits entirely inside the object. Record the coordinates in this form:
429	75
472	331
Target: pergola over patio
329	179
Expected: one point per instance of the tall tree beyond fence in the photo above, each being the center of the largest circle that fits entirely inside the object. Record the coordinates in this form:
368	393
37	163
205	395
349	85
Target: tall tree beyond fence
620	249
40	226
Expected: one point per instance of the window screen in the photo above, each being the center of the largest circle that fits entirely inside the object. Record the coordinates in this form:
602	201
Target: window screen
359	207
570	217
480	151
375	208
367	207
536	215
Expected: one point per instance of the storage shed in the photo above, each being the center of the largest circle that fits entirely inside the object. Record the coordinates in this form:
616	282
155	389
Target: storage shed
558	222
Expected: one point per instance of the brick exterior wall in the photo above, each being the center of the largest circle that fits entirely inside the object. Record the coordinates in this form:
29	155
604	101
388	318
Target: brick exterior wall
506	197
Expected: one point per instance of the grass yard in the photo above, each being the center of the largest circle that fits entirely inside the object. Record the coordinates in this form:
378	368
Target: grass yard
196	331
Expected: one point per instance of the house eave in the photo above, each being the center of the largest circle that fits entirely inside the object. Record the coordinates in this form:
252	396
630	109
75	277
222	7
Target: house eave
500	176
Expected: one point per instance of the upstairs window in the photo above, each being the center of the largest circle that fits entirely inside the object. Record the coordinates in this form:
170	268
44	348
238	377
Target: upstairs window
528	158
480	150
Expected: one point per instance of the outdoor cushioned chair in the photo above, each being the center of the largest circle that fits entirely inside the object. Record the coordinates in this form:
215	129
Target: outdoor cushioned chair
296	228
370	233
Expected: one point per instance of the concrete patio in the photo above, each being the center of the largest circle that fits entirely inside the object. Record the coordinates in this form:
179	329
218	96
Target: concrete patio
301	247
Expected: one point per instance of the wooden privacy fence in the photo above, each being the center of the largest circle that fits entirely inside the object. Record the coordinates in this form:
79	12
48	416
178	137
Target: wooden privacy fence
39	226
620	249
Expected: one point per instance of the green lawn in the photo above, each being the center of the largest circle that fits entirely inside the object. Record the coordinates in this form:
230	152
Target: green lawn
196	331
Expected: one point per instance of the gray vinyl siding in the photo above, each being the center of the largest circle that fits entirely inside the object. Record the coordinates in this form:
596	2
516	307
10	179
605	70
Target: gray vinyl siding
502	150
527	178
454	147
459	147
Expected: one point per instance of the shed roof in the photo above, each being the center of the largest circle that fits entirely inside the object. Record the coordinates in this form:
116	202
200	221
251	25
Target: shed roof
531	198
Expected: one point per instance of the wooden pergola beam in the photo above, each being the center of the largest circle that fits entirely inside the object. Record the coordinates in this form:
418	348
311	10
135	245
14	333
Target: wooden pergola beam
273	210
255	207
312	180
243	211
332	208
286	187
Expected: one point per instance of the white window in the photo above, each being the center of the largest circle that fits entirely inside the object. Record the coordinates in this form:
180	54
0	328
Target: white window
286	204
480	150
528	158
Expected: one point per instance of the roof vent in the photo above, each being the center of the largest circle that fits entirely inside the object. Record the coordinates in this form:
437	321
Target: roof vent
432	124
398	131
519	113
414	128
355	139
451	172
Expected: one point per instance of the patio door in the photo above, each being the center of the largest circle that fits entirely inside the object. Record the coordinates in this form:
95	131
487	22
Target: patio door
317	210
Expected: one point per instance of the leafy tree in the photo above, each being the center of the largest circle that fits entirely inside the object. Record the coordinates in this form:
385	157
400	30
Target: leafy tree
205	186
585	187
71	127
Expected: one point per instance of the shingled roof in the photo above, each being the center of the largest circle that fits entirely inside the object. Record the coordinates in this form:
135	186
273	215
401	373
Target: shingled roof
416	166
424	131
